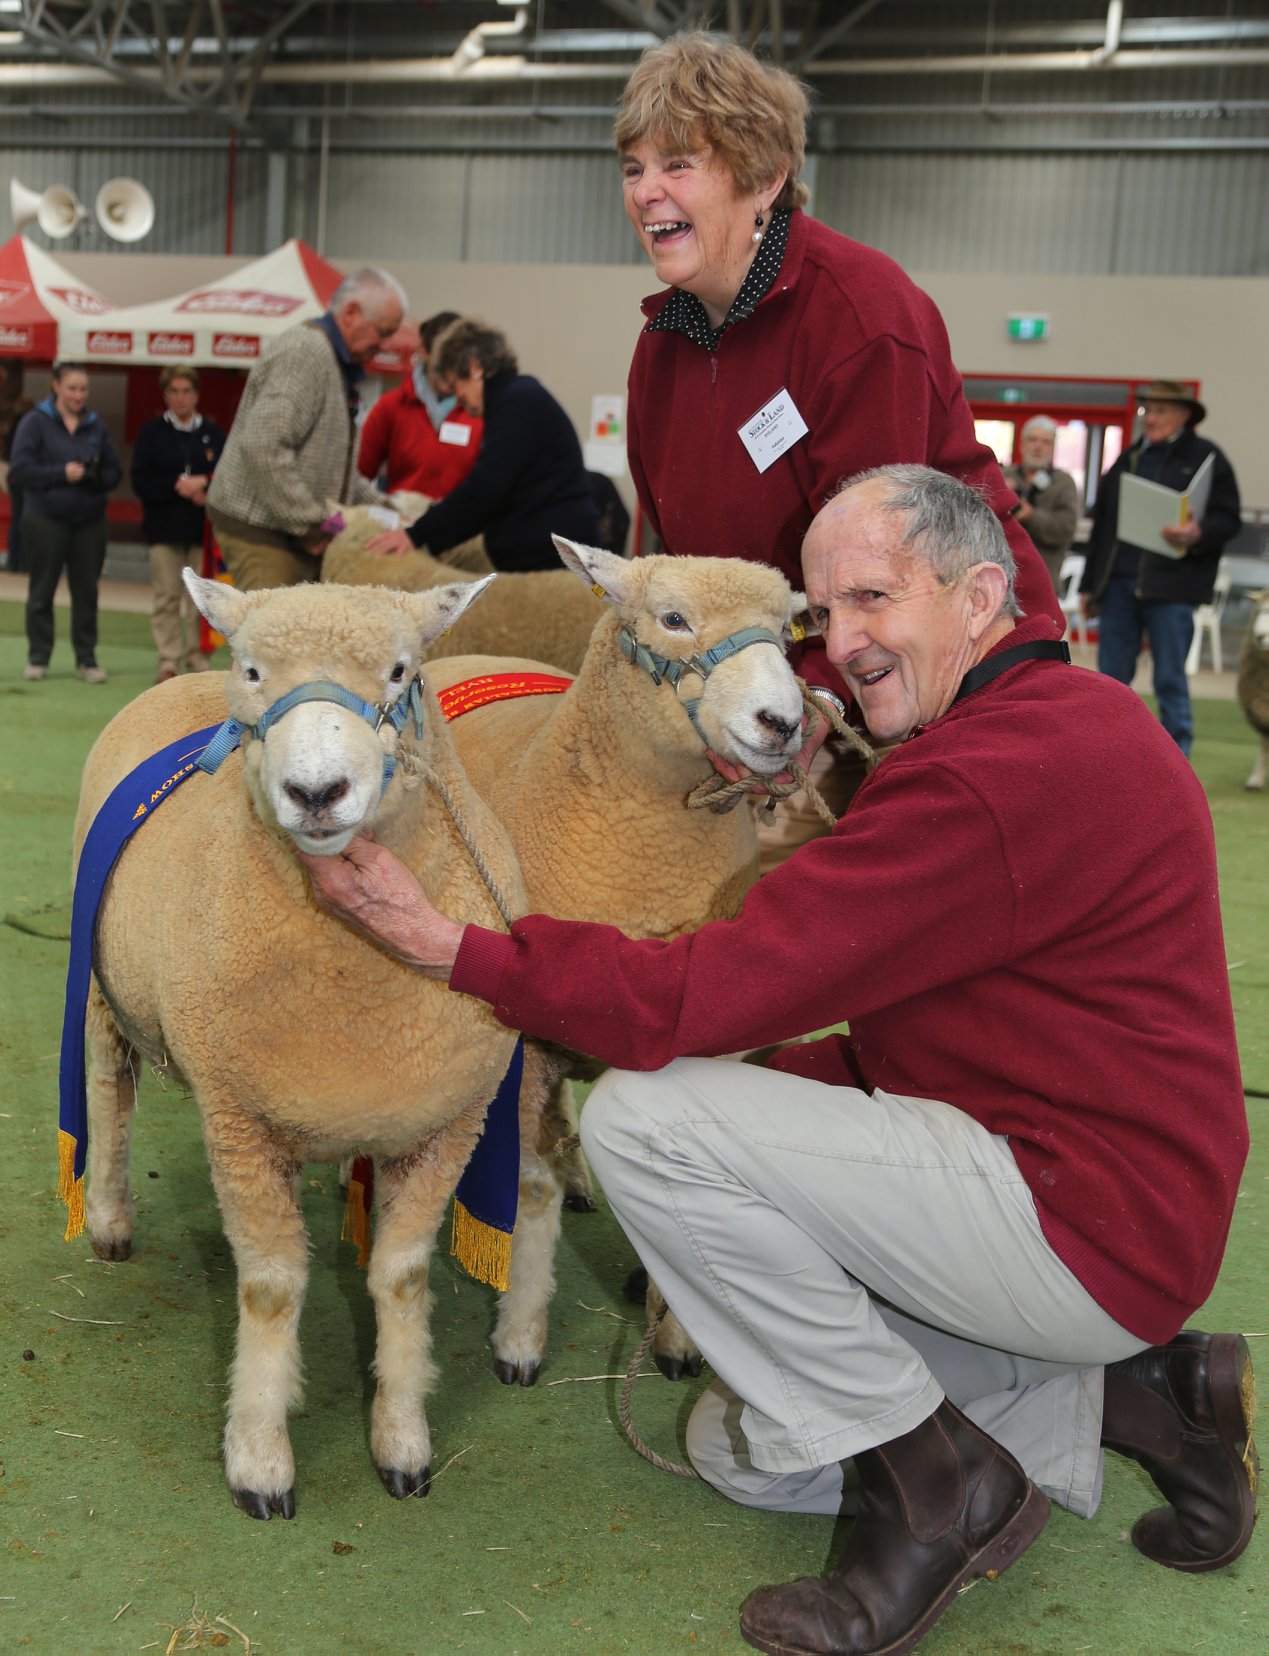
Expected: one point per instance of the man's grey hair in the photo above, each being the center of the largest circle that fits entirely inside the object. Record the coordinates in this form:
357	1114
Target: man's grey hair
948	524
372	288
1041	422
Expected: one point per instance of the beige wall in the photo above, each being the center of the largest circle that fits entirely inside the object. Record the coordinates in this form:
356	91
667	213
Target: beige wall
574	326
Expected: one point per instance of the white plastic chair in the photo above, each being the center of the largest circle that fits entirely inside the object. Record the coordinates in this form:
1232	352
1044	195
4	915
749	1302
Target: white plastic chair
1072	568
1207	623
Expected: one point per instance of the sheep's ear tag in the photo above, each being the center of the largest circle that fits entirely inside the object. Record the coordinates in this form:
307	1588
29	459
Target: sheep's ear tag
796	630
598	590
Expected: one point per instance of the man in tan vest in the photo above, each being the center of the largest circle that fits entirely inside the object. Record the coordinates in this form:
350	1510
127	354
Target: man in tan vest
294	440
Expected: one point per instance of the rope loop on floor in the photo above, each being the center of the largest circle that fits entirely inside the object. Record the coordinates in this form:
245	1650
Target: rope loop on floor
632	1374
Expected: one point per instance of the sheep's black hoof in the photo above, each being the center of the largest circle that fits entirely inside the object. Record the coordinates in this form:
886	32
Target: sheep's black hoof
518	1374
577	1201
121	1249
258	1505
402	1485
678	1368
635	1287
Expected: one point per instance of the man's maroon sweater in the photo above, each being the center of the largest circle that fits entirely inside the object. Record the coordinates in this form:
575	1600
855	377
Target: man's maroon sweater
1018	915
865	357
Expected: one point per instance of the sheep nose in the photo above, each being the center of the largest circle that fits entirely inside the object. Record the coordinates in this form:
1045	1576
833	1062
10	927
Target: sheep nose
317	799
782	727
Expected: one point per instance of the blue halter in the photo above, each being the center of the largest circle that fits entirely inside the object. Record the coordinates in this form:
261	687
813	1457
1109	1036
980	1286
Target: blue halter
659	667
376	714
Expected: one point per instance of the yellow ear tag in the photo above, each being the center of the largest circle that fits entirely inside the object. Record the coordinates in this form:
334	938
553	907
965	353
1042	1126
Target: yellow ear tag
598	590
797	631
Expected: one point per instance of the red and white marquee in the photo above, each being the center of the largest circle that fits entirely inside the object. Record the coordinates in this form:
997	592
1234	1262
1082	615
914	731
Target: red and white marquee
45	313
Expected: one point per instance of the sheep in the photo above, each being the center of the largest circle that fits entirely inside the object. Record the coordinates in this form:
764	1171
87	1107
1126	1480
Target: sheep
540	613
298	1039
1253	686
590	784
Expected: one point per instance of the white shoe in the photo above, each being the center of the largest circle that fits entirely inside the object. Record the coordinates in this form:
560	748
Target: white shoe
91	675
33	670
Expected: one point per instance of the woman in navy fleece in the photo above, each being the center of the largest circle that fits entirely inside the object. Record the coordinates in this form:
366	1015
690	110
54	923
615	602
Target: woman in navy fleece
65	461
528	482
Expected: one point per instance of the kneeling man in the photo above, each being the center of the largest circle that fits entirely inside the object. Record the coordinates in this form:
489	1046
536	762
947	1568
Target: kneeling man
939	1263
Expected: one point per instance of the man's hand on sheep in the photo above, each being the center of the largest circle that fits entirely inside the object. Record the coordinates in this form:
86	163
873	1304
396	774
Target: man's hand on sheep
371	890
392	543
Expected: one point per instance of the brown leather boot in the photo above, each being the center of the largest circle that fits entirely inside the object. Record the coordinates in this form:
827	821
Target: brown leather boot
938	1507
1185	1412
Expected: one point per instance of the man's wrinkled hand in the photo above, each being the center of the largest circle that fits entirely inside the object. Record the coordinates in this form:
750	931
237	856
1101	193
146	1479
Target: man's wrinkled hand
373	892
392	543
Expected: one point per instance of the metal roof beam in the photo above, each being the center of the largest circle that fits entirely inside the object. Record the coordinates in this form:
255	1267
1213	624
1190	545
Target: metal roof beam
107	31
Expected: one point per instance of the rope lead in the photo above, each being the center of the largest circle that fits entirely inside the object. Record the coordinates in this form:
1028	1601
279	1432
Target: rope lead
632	1374
722	796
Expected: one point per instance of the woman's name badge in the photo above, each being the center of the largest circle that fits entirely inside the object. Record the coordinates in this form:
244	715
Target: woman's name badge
453	431
774	428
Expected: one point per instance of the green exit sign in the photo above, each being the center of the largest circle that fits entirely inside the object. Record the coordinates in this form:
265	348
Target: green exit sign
1028	327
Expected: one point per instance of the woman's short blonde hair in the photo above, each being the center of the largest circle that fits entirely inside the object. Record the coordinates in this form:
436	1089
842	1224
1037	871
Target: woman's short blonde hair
694	90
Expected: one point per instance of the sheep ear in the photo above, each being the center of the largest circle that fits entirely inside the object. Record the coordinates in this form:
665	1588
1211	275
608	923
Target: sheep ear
607	573
799	624
220	604
439	607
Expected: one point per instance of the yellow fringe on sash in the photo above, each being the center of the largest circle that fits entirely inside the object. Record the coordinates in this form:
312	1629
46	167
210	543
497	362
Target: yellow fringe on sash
481	1249
69	1188
356	1226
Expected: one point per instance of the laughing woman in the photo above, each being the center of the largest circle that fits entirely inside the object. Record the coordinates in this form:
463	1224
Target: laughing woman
783	356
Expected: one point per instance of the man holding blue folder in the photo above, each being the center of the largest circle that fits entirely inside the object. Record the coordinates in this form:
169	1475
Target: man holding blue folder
1133	590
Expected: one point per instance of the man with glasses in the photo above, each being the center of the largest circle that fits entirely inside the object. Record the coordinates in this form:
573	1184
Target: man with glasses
294	441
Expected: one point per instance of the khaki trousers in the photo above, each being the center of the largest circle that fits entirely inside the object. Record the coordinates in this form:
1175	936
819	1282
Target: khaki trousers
845	1260
254	566
173	613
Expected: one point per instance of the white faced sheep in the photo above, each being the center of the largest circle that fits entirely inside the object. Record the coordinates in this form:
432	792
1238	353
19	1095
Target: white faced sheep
1253	686
299	1040
543	613
591	786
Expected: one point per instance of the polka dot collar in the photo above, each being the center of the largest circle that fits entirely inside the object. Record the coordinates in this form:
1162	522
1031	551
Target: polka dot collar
684	313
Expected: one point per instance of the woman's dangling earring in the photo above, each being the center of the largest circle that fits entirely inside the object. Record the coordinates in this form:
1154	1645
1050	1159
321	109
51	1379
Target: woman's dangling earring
757	228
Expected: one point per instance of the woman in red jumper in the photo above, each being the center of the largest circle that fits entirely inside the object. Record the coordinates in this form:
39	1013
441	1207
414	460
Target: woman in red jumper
782	356
424	441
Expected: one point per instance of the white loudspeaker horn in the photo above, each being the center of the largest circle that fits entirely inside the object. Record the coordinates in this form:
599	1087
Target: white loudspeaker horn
125	209
56	210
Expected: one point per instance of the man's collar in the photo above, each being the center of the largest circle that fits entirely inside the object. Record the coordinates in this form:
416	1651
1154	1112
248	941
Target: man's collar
327	323
684	313
192	424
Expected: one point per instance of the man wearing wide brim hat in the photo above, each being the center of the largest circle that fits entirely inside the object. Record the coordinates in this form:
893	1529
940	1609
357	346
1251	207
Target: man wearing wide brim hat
1135	591
1174	391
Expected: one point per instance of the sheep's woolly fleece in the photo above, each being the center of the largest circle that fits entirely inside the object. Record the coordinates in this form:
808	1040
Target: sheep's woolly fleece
545	613
1253	669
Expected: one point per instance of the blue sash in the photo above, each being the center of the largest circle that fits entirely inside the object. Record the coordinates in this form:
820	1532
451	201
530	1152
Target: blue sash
133	802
